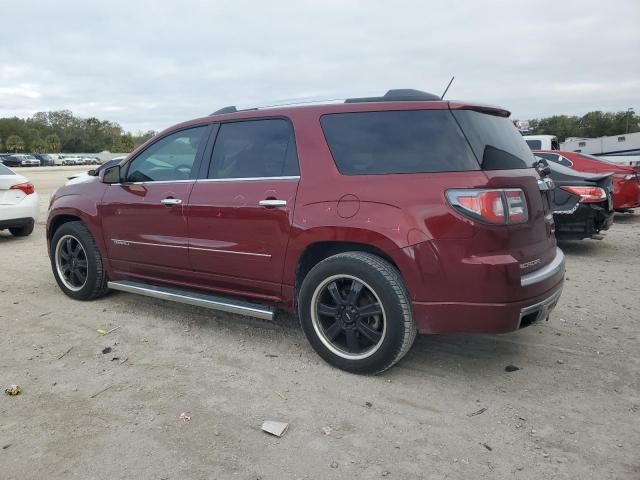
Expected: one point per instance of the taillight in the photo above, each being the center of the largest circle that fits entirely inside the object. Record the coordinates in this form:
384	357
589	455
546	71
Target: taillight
27	188
588	194
500	207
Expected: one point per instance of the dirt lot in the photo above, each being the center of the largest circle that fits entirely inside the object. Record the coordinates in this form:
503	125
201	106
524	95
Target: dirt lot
571	411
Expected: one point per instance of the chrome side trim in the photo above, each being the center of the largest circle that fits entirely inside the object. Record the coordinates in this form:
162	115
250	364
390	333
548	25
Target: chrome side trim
125	243
247	179
121	184
215	250
548	271
198	299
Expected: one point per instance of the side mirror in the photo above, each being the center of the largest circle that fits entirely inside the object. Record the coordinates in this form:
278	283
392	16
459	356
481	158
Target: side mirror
92	172
111	174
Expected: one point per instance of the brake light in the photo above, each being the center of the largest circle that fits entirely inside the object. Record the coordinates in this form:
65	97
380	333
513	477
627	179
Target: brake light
500	207
27	188
587	194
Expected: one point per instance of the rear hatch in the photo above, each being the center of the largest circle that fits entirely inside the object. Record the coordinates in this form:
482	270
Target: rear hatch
507	162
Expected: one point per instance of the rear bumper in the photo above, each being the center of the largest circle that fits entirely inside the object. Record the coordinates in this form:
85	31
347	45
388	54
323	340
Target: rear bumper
498	317
586	221
28	207
440	318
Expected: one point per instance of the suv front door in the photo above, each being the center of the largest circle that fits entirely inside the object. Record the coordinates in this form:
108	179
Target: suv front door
240	215
143	219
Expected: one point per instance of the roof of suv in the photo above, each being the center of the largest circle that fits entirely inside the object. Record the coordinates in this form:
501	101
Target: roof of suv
398	99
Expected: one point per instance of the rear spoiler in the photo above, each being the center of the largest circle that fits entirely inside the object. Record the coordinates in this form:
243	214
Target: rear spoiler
488	109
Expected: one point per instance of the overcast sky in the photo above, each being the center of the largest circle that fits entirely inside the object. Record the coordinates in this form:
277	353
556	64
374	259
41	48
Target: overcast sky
150	64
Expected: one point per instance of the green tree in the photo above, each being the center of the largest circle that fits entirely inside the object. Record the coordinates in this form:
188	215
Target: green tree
53	143
38	146
15	144
124	144
0	144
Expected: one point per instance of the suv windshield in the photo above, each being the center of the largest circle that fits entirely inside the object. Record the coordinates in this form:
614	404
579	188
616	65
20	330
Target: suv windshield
495	141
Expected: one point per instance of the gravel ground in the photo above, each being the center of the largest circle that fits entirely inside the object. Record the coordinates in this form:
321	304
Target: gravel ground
572	410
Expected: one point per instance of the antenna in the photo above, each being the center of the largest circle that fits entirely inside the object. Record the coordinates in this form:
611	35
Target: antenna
447	89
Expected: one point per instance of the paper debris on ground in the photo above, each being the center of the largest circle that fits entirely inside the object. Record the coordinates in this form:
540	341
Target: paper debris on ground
275	428
13	390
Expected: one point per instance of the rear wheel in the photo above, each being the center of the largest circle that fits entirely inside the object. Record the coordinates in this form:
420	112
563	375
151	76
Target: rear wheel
23	231
355	312
77	262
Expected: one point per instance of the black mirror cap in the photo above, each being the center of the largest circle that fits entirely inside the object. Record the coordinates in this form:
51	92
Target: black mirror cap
111	174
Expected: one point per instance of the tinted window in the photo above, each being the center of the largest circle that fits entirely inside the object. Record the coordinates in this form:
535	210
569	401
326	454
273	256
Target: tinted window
5	171
171	158
495	140
415	141
256	148
534	144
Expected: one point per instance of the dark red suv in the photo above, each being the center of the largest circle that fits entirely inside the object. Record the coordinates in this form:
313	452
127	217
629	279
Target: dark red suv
373	219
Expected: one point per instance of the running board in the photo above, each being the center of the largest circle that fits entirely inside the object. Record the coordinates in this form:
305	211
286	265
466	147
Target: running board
198	299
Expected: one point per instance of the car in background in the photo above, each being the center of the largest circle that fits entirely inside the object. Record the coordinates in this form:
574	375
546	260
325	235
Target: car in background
21	160
91	174
19	203
581	203
72	160
626	180
46	159
542	142
90	160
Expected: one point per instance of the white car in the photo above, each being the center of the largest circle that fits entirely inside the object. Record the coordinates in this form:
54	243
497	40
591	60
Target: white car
19	203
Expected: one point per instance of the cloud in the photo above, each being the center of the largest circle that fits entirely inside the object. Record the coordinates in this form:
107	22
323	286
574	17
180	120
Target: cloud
149	64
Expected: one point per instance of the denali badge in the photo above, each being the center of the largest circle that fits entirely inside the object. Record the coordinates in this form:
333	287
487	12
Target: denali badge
120	242
529	264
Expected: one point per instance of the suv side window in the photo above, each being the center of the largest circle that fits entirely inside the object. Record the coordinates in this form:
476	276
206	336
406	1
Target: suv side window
254	148
414	141
169	159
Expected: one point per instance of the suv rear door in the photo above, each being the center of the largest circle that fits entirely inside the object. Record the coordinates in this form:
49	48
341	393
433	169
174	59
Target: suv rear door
240	214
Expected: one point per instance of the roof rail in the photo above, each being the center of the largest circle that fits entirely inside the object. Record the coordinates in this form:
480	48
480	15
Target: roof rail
397	95
231	109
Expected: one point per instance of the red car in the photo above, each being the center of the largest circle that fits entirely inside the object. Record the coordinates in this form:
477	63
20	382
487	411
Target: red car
626	181
373	219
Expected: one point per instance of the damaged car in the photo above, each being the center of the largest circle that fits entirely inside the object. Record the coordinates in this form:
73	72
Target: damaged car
582	203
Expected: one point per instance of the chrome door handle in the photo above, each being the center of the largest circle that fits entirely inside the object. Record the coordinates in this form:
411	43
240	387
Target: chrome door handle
169	202
271	203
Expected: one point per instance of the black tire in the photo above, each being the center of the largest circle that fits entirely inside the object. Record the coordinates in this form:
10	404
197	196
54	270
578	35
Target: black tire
379	280
23	231
95	284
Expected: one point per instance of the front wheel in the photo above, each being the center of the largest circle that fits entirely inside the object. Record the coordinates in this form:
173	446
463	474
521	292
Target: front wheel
76	262
356	313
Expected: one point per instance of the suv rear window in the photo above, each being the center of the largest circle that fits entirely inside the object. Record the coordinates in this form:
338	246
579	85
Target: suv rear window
534	144
495	140
412	141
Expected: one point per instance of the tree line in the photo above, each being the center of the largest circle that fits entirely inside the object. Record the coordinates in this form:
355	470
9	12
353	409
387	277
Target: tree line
61	131
591	125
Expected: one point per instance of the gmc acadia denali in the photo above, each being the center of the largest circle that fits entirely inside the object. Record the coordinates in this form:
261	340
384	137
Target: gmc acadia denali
373	219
